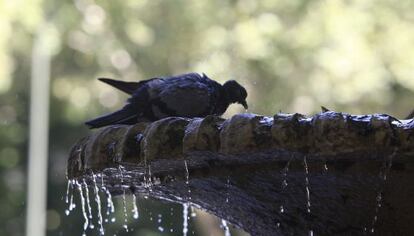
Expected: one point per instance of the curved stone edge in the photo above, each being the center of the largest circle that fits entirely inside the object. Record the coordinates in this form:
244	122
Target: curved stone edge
326	133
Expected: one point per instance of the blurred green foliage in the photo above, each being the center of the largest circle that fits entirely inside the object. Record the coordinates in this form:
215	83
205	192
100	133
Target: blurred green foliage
292	55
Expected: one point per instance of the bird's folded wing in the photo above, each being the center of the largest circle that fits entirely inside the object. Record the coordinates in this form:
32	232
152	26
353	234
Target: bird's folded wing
190	100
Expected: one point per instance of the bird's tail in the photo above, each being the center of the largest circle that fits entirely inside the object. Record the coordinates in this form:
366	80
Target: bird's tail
127	87
123	116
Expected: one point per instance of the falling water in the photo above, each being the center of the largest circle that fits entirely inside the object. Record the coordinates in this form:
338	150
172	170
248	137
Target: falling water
284	174
193	213
284	184
187	179
185	219
88	203
227	189
159	221
148	178
135	213
67	192
325	167
385	169
109	203
307	186
69	197
98	203
125	225
225	227
85	216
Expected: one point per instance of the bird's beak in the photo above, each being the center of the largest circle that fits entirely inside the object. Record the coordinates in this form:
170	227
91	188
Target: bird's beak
244	103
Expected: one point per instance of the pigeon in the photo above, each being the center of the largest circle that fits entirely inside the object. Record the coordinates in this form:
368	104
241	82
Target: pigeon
187	95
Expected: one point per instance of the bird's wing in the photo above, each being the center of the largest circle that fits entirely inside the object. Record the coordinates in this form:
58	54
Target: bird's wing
127	87
183	97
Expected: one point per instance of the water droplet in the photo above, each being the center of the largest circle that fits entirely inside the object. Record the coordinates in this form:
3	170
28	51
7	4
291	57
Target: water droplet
185	219
193	213
187	179
282	209
325	167
225	227
98	203
135	213
85	216
307	185
67	192
125	211
284	175
88	202
227	189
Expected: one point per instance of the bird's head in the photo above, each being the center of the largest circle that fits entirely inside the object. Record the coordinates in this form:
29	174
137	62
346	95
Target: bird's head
236	93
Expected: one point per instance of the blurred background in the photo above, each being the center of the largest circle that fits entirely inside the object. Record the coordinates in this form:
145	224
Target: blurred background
292	56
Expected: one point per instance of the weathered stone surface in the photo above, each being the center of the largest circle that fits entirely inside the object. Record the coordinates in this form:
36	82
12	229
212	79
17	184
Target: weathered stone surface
325	133
332	174
202	134
164	139
290	131
245	132
130	144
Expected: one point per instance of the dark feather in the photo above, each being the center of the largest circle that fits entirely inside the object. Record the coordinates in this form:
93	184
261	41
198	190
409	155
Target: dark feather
127	87
123	116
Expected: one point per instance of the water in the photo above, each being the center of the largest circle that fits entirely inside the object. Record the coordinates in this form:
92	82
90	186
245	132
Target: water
98	203
227	189
85	216
307	188
110	208
307	185
193	213
284	175
285	172
67	192
225	228
385	169
88	203
187	179
325	167
185	219
69	197
135	213
125	225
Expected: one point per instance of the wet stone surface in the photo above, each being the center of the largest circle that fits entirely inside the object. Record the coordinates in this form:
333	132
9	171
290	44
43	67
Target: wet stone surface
332	173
